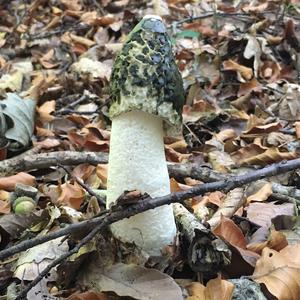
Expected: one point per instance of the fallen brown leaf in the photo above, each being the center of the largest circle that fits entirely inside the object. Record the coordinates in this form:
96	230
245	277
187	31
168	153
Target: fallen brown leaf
8	183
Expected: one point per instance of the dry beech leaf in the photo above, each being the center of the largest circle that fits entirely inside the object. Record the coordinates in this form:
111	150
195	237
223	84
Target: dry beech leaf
262	129
92	18
270	71
177	187
81	40
276	241
219	289
247	152
8	183
175	156
47	60
225	135
101	172
72	5
199	203
193	113
255	8
232	202
280	272
47	144
216	289
78	119
45	111
244	73
83	171
196	291
248	87
71	195
297	127
262	194
253	121
43	132
89	138
179	146
220	161
4	195
243	102
268	157
262	213
230	232
216	198
5	207
278	139
134	281
192	182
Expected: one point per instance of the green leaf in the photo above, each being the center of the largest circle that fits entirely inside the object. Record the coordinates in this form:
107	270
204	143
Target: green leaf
188	34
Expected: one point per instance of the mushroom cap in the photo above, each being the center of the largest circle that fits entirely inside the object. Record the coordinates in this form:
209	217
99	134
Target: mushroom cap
145	76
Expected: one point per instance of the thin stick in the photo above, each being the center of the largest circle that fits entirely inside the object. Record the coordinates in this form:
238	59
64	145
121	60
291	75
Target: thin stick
85	186
120	213
60	259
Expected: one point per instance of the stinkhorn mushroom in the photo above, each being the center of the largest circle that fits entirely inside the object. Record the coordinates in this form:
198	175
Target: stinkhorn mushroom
147	98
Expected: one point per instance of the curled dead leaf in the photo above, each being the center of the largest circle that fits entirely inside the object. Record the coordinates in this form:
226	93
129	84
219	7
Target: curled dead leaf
71	195
244	73
262	194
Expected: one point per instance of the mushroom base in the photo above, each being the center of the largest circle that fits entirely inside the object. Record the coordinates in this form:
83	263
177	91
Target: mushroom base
137	162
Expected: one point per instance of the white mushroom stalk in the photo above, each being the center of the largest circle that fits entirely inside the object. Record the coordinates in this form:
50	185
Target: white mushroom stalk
147	98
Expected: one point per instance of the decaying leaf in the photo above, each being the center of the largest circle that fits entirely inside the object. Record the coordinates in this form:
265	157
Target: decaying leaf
37	258
262	194
8	183
216	289
262	213
71	195
136	282
19	115
232	202
276	241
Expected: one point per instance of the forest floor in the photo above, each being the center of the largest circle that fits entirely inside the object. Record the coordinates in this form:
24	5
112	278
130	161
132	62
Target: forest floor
238	232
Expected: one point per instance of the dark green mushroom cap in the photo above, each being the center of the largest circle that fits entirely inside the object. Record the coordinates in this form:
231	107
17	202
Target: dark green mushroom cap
145	76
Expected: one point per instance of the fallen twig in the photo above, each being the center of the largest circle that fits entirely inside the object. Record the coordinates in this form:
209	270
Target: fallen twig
28	161
31	160
85	186
57	261
150	203
120	212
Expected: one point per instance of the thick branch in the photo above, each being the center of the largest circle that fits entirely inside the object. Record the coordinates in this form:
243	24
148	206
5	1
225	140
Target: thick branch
28	161
31	160
149	203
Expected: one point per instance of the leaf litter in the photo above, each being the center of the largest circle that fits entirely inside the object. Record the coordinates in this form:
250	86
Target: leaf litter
240	65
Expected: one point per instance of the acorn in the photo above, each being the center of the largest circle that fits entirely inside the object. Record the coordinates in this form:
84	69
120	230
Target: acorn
24	205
